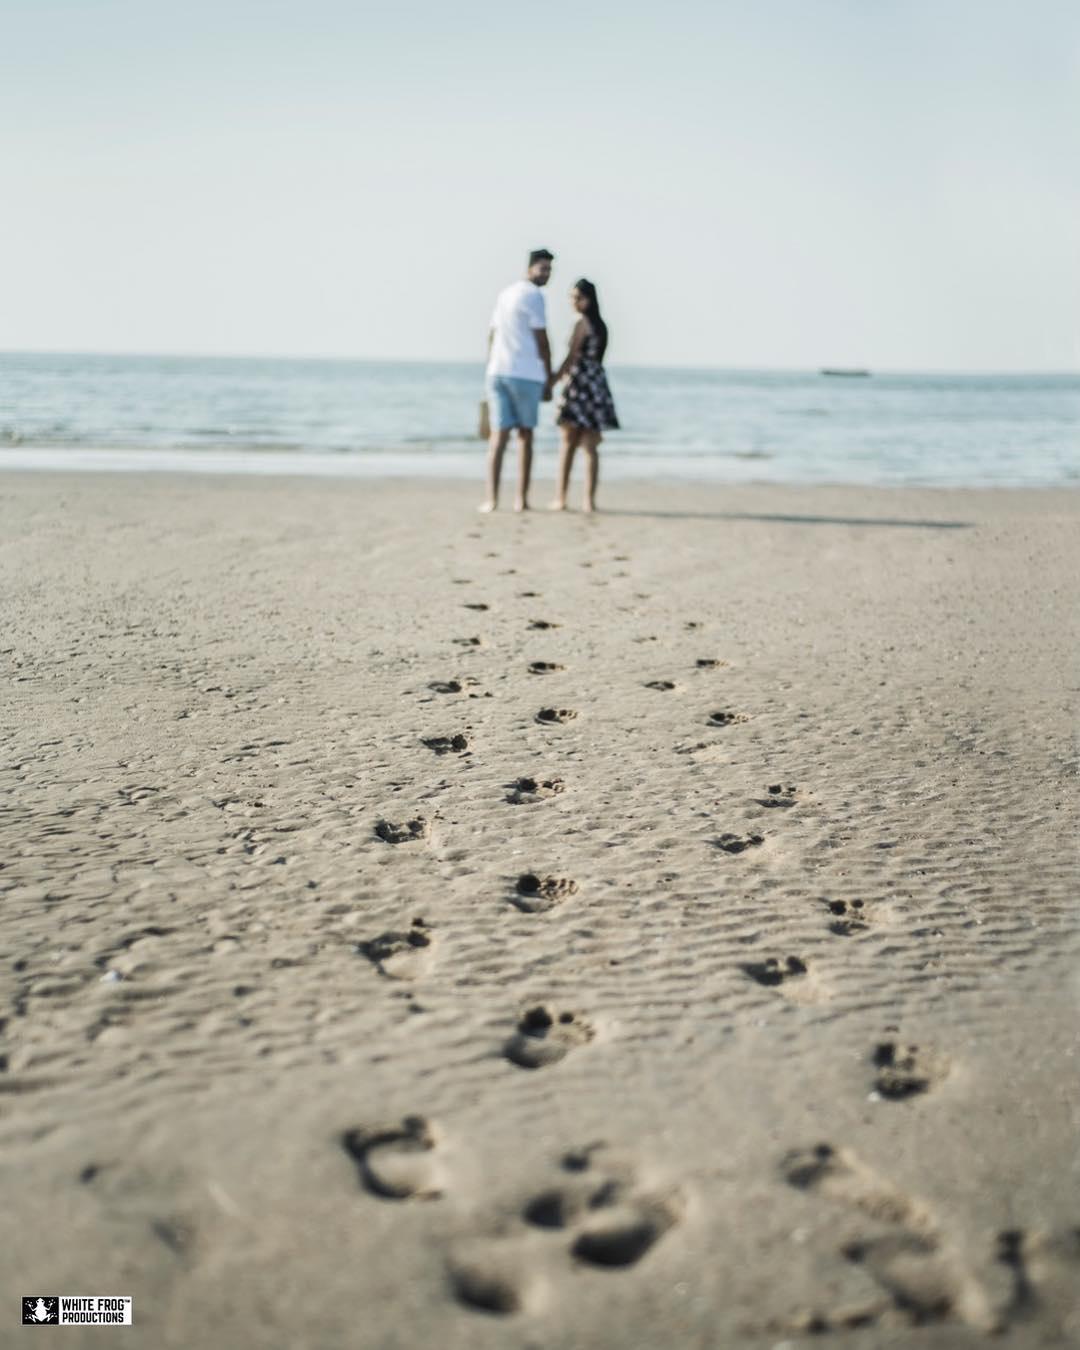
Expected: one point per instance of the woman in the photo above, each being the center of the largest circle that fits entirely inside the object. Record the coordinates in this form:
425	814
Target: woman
586	409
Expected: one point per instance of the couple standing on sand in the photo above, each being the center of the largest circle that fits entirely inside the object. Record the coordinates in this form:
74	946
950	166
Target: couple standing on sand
520	378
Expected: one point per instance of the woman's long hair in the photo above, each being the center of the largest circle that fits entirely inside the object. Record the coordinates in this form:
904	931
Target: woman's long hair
592	313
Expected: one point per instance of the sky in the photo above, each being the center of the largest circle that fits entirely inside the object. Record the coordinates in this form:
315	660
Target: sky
784	184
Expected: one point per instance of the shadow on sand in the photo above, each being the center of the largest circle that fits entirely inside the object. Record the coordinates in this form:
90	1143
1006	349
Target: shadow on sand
777	519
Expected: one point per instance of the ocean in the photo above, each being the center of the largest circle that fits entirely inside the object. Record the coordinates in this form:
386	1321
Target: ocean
340	417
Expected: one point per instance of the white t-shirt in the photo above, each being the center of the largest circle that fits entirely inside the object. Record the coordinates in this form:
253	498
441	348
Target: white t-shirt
519	312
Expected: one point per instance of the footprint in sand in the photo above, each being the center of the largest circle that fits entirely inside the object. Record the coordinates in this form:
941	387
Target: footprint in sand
775	970
781	796
660	684
448	745
468	642
397	1162
544	1037
904	1071
922	1282
477	605
488	1277
400	955
1045	1268
725	719
614	1221
526	790
555	716
452	686
739	843
623	1236
533	894
410	831
840	1175
598	1207
544	667
919	1279
703	751
708	663
543	624
851	917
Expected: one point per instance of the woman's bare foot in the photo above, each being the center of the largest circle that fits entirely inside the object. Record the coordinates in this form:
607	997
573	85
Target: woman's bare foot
558	504
519	505
589	508
487	506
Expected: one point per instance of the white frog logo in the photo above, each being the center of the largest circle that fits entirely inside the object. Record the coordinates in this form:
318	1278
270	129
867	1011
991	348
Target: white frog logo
42	1310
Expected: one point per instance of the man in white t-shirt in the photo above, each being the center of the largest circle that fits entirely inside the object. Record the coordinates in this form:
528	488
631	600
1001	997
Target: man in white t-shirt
518	373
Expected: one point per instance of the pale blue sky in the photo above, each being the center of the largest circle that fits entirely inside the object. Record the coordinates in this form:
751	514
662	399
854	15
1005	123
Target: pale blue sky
788	183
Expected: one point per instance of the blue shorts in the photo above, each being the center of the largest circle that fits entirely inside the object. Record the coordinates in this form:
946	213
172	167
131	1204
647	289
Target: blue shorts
513	402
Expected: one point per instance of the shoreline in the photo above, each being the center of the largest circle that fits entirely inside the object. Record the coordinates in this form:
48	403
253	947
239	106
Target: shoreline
370	466
736	932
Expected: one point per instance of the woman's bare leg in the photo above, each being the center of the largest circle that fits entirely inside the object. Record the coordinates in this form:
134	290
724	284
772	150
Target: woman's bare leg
590	442
525	442
570	438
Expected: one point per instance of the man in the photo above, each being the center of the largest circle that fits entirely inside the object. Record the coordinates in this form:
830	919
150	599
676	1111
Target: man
518	373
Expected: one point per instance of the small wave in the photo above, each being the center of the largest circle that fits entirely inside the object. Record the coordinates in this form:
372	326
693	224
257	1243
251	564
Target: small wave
456	438
50	436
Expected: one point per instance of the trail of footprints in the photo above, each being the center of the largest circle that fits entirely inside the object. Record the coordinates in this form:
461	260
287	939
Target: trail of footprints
596	1213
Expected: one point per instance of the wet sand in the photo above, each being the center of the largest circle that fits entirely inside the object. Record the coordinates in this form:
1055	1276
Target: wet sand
655	930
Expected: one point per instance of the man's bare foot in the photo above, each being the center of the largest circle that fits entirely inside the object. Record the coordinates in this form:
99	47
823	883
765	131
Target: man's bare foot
521	506
557	505
589	508
487	506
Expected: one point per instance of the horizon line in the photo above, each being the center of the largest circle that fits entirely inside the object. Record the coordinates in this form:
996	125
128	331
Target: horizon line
459	361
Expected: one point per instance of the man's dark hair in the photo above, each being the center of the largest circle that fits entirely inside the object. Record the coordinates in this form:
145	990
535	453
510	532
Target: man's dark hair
540	255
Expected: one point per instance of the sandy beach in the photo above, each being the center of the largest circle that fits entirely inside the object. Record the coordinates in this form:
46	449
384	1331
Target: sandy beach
651	931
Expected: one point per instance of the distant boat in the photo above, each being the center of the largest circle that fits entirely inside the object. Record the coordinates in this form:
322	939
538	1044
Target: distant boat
844	372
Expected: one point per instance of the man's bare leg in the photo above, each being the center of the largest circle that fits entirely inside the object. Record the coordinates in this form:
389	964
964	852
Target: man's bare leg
570	439
590	443
525	441
496	446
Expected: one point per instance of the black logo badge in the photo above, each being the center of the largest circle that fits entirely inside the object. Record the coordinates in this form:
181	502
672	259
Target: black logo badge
40	1310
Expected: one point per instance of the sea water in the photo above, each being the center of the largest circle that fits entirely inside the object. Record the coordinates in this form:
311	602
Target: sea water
404	418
